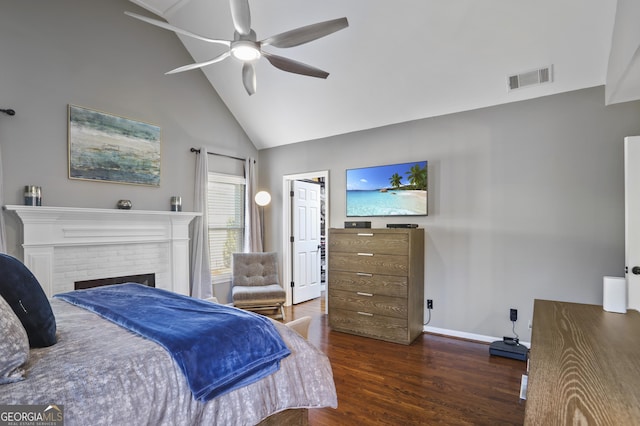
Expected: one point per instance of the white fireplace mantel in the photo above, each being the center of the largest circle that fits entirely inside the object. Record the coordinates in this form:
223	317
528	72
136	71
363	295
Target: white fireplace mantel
154	236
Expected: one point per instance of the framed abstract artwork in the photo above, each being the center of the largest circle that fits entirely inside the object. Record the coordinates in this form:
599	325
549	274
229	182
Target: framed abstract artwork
109	148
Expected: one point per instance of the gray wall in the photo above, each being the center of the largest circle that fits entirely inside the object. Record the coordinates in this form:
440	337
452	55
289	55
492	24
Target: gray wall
88	53
525	201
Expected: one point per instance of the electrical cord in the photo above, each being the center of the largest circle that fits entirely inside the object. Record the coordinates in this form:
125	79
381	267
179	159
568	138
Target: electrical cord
429	320
513	328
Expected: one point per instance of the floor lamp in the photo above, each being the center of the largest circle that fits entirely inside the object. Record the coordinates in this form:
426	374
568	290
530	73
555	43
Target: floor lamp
262	198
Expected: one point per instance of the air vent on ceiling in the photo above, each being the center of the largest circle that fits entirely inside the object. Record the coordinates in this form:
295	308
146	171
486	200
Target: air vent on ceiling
530	78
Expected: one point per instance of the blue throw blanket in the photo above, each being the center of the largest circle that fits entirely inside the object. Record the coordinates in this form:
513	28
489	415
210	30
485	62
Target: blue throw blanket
217	347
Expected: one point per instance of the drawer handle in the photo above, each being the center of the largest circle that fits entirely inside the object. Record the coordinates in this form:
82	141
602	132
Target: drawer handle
364	274
367	314
359	293
365	254
365	234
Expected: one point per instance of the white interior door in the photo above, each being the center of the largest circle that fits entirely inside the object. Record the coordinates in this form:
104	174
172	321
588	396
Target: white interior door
306	241
632	219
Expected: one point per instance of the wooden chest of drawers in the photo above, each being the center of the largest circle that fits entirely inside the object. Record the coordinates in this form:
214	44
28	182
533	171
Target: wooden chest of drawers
376	282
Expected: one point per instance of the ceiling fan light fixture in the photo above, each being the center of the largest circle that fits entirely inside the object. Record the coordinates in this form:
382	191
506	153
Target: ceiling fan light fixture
246	48
245	51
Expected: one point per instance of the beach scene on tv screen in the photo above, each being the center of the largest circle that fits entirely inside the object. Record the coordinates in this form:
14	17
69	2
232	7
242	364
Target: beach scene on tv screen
391	190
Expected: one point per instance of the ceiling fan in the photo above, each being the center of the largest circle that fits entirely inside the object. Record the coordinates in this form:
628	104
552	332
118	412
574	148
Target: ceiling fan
245	47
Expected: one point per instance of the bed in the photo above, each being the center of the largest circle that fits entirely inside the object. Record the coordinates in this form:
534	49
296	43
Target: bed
102	373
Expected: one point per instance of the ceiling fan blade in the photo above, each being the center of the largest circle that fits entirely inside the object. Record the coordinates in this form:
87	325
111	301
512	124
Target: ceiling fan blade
200	64
241	16
289	65
177	30
249	77
306	34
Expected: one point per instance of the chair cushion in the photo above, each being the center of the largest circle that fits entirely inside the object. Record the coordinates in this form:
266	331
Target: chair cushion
255	269
23	293
14	345
268	294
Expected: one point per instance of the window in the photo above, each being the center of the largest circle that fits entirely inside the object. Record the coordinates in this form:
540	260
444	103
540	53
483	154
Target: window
225	206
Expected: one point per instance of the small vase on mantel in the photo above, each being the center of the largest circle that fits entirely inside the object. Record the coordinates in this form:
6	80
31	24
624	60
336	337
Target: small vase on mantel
32	195
124	204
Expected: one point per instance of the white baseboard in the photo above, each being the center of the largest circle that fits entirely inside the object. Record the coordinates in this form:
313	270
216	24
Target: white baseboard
465	335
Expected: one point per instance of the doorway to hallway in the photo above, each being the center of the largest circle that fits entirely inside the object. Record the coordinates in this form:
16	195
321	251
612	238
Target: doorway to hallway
304	248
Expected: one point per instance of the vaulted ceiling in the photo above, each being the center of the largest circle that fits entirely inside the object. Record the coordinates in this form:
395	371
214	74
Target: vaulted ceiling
406	60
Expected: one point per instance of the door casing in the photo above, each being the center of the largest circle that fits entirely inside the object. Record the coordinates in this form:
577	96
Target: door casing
286	225
631	219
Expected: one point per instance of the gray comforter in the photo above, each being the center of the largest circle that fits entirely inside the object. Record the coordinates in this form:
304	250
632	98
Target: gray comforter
105	375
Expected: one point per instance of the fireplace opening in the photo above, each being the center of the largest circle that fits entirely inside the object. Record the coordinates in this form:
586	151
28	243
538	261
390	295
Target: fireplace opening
145	279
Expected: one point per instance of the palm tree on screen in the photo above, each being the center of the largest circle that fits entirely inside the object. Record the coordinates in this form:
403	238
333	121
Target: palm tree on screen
395	180
418	177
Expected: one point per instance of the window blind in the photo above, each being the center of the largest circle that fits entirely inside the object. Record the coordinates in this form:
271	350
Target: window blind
225	207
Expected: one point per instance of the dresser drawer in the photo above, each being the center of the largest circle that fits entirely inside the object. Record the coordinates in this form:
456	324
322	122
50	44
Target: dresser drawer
377	326
369	241
384	264
368	303
385	285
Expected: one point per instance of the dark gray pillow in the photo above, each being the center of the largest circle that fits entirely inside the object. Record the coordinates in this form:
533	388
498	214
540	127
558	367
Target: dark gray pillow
14	345
23	293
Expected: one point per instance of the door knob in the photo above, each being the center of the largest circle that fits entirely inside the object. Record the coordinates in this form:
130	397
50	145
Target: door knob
635	270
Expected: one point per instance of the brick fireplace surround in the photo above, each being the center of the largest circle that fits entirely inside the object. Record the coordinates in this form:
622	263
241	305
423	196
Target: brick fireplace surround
63	245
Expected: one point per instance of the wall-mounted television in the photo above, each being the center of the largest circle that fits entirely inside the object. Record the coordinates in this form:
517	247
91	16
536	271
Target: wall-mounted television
391	190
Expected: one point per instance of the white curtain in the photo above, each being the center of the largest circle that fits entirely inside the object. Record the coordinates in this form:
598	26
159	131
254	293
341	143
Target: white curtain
201	286
252	226
3	235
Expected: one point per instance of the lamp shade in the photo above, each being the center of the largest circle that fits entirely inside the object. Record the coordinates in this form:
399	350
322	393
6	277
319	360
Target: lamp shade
263	198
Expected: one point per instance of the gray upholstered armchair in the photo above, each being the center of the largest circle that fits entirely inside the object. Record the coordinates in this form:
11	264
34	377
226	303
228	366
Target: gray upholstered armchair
255	283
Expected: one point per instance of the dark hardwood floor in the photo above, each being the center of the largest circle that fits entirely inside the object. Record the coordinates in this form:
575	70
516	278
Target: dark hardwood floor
435	380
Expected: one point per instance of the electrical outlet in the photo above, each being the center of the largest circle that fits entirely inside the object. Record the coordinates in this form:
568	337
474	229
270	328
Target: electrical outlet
429	304
513	314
